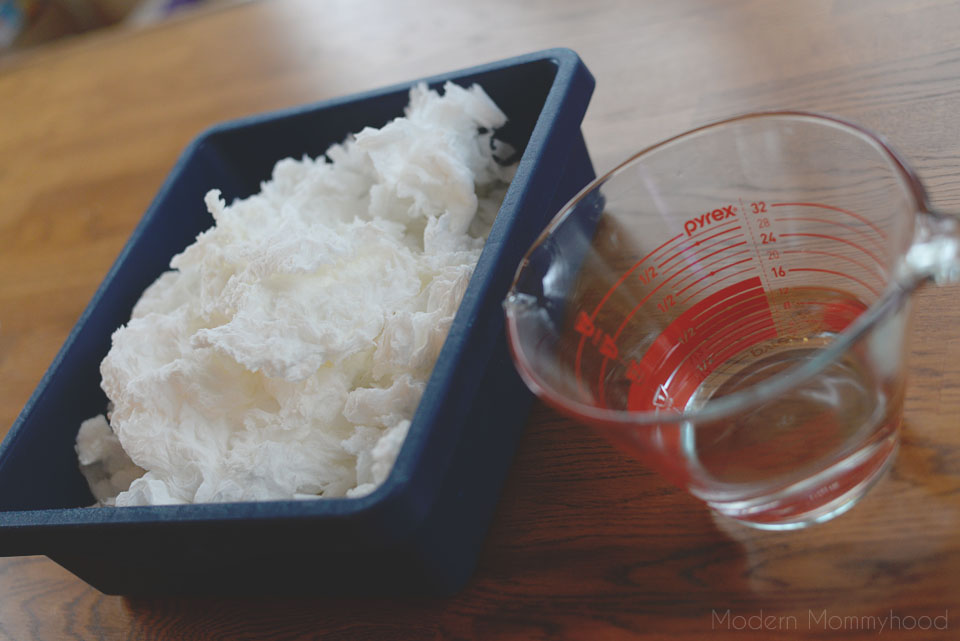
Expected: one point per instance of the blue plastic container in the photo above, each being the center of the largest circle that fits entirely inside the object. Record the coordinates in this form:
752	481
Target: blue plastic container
421	531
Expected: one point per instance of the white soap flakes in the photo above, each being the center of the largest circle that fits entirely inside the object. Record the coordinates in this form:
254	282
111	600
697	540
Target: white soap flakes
284	355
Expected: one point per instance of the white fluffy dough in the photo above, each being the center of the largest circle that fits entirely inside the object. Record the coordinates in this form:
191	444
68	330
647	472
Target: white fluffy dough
285	353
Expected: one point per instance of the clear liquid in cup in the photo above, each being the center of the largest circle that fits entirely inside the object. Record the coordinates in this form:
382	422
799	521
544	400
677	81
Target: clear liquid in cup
801	453
844	414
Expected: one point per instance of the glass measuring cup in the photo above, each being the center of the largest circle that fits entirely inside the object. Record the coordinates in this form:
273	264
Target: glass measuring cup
730	307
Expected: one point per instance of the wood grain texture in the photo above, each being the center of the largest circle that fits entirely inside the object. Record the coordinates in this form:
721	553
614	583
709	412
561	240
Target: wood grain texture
586	544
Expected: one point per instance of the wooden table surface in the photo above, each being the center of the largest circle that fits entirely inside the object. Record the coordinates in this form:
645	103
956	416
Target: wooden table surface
586	544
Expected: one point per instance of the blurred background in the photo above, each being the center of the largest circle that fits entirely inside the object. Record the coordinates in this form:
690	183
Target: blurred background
30	23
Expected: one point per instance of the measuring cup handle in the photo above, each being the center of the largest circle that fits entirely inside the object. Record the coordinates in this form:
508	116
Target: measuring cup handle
935	251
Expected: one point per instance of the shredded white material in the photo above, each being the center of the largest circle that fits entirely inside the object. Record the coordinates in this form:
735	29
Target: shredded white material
286	352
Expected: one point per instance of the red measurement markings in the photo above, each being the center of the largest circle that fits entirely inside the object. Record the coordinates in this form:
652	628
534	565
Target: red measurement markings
835	315
686	326
744	314
600	339
578	360
627	273
724	340
713	273
856	262
669	299
726	331
835	273
700	242
729	297
701	267
698	340
736	336
863	220
864	235
601	377
839	240
646	298
719	280
743	310
770	253
692	260
695	261
690	375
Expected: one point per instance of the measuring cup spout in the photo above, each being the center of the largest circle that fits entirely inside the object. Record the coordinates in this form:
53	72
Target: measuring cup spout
935	252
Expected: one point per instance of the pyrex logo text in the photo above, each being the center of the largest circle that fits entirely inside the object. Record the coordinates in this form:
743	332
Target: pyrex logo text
693	224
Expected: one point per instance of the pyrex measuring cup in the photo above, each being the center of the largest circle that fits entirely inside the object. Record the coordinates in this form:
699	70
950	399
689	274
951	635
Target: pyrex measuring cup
730	306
